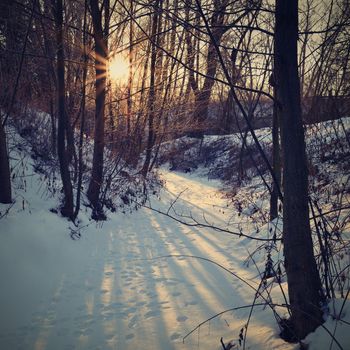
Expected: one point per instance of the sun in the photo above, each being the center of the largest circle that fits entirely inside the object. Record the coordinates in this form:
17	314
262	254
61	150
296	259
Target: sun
118	69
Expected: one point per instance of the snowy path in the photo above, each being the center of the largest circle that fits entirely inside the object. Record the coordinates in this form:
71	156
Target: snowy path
105	291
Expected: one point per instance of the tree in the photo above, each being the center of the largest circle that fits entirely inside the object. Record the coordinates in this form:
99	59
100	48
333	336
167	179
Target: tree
67	208
101	56
304	285
5	174
10	30
82	110
152	92
202	95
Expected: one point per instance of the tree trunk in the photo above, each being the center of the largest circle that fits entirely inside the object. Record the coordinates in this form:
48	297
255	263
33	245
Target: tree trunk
101	54
53	127
82	117
67	208
304	285
130	78
151	96
202	96
5	173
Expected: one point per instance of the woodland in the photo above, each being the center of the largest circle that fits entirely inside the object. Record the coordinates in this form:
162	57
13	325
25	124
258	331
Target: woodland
108	101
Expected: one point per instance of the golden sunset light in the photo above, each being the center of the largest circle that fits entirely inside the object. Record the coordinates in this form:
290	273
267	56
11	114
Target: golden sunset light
174	174
118	69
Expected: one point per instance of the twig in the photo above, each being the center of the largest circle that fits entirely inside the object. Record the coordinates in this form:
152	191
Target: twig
195	223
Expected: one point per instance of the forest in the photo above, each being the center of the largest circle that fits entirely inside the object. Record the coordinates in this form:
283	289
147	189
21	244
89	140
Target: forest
174	174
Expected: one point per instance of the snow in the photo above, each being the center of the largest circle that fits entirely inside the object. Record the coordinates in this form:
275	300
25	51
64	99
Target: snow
134	282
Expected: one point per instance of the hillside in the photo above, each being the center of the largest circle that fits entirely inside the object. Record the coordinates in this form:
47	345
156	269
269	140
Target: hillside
143	279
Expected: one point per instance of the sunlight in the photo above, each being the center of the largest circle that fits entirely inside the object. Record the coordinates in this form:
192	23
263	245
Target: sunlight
118	69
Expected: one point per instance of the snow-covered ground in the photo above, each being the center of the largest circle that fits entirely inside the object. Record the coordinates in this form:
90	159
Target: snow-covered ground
117	287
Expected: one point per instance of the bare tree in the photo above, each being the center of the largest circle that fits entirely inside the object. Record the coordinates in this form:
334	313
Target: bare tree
67	208
152	91
5	174
101	56
9	94
304	285
202	95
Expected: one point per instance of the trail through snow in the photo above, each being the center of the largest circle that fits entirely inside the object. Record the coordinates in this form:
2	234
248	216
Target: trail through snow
112	290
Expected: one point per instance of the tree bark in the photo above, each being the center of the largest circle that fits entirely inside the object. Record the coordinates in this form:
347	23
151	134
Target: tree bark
82	117
152	93
5	173
101	55
67	208
304	285
130	78
202	96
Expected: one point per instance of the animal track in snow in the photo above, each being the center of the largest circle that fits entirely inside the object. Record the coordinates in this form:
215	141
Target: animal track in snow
182	318
175	336
129	336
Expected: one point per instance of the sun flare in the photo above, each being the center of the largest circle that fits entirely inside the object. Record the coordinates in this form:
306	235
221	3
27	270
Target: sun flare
119	69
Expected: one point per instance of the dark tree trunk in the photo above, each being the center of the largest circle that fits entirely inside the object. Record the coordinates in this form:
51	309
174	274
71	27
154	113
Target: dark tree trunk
49	51
101	54
151	96
304	285
67	208
202	96
5	174
82	117
130	78
71	154
53	127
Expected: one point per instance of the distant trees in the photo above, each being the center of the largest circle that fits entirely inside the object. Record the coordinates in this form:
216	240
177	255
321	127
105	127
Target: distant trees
202	94
324	56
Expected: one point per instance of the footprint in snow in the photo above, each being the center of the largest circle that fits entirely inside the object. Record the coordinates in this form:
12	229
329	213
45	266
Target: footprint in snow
129	336
171	283
175	336
108	316
88	331
111	337
151	294
152	313
182	318
133	322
